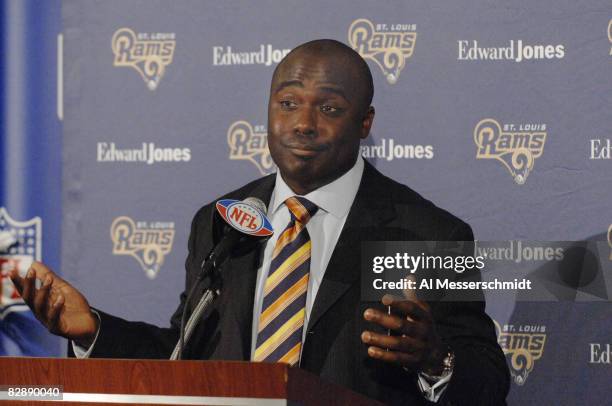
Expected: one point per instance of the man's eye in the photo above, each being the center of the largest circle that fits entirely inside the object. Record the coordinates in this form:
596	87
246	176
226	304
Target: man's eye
287	104
329	109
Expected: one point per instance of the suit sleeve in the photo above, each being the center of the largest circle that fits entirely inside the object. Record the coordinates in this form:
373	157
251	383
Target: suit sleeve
119	338
480	374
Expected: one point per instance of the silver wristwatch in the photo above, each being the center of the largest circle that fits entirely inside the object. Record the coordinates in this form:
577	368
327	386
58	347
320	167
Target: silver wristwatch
448	364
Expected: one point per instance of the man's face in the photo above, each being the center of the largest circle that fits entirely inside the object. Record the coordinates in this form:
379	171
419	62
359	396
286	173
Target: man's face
316	118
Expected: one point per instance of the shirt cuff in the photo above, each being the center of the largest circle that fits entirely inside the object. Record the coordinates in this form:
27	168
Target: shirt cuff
433	387
82	352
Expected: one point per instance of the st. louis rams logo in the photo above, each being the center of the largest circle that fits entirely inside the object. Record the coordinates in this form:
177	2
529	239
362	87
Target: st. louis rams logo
148	54
524	344
389	46
22	244
148	243
516	148
250	144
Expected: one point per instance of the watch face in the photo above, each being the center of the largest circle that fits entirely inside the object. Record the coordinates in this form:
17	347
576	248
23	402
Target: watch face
448	361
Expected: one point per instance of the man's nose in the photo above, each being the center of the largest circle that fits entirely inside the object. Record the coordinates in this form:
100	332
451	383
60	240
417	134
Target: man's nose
305	123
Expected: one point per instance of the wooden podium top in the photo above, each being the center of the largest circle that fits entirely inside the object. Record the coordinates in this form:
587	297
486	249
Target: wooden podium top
118	381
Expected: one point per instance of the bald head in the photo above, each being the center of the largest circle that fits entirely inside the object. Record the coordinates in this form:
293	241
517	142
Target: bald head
318	113
346	61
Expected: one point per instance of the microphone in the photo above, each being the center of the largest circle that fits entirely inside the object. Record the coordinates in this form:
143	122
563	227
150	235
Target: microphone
243	220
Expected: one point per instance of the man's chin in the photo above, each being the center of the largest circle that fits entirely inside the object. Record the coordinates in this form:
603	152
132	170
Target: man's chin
299	173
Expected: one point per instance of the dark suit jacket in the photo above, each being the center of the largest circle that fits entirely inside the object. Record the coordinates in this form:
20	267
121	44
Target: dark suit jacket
383	210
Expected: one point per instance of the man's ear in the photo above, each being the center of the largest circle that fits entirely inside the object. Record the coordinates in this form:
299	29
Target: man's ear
367	121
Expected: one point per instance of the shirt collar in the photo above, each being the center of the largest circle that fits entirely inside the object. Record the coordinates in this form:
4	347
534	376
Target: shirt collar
335	198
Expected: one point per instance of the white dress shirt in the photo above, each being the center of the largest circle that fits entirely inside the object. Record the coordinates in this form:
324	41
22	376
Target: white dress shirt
334	201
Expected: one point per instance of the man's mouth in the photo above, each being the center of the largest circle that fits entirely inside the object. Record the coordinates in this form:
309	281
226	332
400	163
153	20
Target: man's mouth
305	150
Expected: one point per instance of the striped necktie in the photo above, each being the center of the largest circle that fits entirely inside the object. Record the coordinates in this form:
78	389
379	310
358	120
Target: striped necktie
281	322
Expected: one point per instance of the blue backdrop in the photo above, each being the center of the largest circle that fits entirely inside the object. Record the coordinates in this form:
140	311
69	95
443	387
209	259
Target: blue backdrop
499	113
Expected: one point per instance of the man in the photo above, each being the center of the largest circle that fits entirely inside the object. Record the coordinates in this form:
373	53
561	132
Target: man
296	299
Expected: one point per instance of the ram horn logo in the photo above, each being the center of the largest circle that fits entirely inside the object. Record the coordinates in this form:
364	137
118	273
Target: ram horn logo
388	49
524	349
147	243
22	245
516	150
149	57
246	143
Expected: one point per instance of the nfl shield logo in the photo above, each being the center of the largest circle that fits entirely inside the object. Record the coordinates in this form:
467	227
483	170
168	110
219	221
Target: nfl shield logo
26	249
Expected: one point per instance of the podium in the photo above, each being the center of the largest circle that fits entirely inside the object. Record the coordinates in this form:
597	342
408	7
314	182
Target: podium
152	382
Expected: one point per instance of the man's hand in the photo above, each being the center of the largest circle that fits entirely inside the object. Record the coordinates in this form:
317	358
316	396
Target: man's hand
416	346
61	308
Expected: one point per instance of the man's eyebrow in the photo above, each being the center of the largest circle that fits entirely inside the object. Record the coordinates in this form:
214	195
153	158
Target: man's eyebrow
298	83
288	83
334	90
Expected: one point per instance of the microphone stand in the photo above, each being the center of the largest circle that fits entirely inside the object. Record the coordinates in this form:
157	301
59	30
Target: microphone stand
207	267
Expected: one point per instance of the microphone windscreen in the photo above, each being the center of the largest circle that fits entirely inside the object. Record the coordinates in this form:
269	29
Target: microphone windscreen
257	203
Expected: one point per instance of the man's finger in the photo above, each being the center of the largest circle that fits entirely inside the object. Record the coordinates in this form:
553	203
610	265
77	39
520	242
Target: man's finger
17	280
41	270
53	314
410	294
29	288
415	329
415	310
395	343
41	298
389	321
394	357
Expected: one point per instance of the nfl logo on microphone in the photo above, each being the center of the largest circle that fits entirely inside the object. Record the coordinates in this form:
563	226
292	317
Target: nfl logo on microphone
245	217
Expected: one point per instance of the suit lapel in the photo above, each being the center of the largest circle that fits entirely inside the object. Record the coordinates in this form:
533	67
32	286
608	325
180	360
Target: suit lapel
370	211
